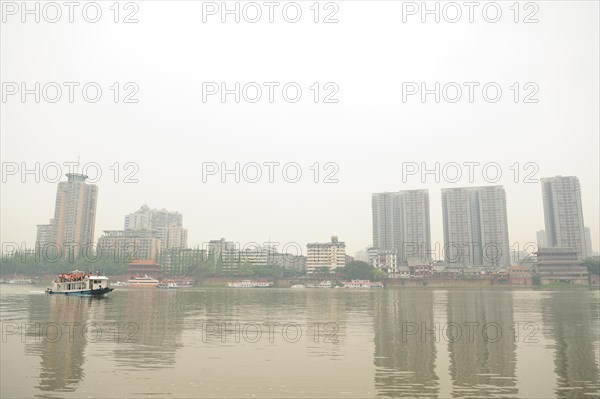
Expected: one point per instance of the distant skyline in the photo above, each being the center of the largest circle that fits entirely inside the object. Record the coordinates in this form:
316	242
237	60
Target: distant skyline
178	216
369	134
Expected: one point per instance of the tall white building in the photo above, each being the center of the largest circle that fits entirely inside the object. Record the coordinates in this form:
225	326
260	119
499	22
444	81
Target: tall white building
401	223
475	226
330	255
563	213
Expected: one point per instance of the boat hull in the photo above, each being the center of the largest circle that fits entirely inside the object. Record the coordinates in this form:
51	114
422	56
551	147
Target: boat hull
100	291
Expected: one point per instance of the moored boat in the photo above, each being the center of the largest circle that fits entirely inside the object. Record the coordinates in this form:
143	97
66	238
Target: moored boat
145	281
322	284
80	283
363	284
20	281
168	284
250	284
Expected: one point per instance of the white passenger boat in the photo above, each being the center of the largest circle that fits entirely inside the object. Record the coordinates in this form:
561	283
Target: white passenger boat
145	281
363	284
80	283
250	284
322	284
20	281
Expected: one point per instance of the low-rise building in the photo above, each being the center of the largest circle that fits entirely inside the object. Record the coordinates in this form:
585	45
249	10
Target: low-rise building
520	275
419	268
386	261
561	264
402	272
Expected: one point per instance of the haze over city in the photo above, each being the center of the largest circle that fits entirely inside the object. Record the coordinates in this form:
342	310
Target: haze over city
369	133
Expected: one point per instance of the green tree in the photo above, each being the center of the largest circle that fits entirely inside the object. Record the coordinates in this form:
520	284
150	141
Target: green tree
593	266
379	274
358	270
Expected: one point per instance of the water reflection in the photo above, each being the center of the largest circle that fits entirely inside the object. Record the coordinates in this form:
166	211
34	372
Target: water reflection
482	359
404	363
387	343
150	323
573	333
55	330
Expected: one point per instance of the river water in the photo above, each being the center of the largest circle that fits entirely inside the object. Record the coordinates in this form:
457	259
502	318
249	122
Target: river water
284	343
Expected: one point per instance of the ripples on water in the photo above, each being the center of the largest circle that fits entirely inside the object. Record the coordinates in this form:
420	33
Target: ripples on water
385	343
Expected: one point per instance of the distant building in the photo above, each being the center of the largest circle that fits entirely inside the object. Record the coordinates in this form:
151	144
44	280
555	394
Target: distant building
520	275
72	228
255	255
225	254
388	262
362	255
561	265
401	223
288	261
147	218
45	236
419	268
168	226
142	267
475	227
403	271
588	242
172	237
541	238
182	261
130	245
529	263
330	255
563	213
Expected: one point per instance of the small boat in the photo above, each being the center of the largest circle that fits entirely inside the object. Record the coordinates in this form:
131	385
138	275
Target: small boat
322	284
363	284
80	283
168	284
20	281
298	286
145	281
120	284
250	284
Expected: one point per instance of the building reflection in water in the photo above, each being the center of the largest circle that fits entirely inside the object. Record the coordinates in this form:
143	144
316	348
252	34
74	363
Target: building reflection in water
573	329
485	365
404	363
62	354
151	323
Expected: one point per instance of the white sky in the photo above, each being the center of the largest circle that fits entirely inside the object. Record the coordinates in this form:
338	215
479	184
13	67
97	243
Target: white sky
369	133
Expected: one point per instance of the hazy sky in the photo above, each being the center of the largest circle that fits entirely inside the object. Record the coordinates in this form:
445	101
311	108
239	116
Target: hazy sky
369	133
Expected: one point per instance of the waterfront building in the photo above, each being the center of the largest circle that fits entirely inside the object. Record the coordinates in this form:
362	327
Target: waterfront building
330	255
558	264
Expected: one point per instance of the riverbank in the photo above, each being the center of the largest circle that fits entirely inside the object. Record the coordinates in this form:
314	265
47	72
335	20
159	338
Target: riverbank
219	282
